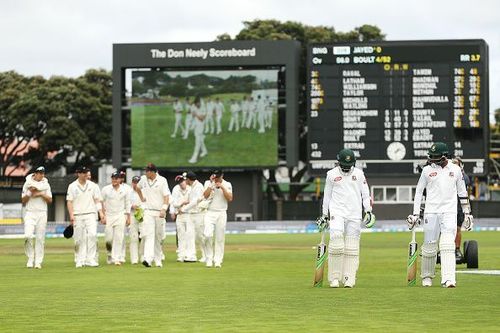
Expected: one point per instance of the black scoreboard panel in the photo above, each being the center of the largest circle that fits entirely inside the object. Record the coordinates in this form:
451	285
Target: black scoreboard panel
389	101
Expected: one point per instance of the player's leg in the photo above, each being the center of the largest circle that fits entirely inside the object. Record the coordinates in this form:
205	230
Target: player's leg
79	238
108	239
190	247
158	244
336	251
148	238
351	252
118	237
458	237
91	225
40	227
133	234
220	238
199	228
181	230
448	225
237	122
197	146
29	235
429	248
203	148
208	234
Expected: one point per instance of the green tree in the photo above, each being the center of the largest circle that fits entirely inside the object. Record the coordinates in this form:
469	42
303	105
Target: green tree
290	30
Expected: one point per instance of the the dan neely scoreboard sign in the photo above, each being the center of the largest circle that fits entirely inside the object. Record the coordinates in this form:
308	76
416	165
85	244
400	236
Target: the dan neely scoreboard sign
389	101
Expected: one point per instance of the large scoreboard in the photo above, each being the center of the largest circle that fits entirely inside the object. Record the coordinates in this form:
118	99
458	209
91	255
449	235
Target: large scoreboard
389	101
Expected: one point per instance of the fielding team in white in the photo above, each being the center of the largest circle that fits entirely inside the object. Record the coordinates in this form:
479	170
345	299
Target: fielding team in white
200	212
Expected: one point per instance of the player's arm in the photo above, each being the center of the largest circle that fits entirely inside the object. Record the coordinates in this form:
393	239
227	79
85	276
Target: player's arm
26	195
419	192
228	192
98	204
166	199
327	195
45	195
128	207
69	205
139	192
369	218
209	188
464	202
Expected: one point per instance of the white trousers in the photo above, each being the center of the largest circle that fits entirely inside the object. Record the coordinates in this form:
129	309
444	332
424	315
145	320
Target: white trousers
187	125
136	247
85	236
251	120
35	224
209	124
234	122
178	124
218	119
114	236
185	235
199	229
199	145
440	228
215	233
153	234
261	120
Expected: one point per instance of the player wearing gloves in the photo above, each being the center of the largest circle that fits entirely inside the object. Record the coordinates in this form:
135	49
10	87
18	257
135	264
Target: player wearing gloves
346	196
442	181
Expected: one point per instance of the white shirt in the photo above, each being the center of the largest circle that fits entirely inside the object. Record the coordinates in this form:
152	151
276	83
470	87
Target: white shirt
219	108
245	106
442	185
210	108
178	197
83	197
178	107
195	196
345	196
135	200
198	123
235	108
154	192
116	201
260	106
218	200
36	204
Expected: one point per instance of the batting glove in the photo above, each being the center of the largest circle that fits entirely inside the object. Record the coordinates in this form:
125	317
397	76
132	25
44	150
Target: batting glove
412	220
322	222
369	219
468	222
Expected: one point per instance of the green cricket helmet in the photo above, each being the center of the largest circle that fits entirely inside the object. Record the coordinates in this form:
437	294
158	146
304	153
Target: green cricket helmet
438	152
346	159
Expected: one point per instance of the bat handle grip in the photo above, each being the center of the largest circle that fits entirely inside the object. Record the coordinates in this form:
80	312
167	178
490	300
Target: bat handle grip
413	235
323	237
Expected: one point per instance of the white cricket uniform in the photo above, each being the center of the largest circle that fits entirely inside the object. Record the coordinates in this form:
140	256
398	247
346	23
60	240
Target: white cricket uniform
219	111
84	198
178	118
134	230
116	203
35	220
234	121
209	121
123	255
215	224
345	196
185	227
196	216
251	118
199	144
269	114
261	109
153	227
442	186
188	121
245	107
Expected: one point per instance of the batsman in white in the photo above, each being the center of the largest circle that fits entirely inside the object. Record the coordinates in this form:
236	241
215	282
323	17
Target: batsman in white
177	107
199	113
219	111
196	213
83	199
185	228
35	196
155	195
346	196
135	228
219	192
442	181
116	205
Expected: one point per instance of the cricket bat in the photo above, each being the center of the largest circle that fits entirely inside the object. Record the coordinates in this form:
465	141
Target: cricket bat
320	262
412	260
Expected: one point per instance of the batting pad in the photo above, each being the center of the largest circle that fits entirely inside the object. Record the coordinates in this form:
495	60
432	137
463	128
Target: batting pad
335	257
429	256
351	260
448	261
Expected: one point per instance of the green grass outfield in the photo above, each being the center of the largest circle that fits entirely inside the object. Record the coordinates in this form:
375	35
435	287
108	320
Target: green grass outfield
264	286
152	125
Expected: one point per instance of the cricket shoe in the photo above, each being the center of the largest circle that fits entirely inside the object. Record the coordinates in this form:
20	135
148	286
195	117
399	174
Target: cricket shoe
146	264
209	264
109	260
204	154
29	264
218	265
190	260
335	284
202	260
92	264
79	265
180	260
192	161
38	266
427	282
118	263
448	284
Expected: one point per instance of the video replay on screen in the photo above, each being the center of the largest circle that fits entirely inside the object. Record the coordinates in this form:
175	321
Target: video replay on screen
204	118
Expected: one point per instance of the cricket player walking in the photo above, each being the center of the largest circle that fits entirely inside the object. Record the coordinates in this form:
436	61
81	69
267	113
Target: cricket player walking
177	106
134	230
209	121
116	200
35	196
155	195
219	111
188	121
219	192
261	109
199	113
83	199
234	122
185	228
195	213
346	196
442	181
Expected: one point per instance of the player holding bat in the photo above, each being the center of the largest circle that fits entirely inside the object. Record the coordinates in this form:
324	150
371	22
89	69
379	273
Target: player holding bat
346	196
442	181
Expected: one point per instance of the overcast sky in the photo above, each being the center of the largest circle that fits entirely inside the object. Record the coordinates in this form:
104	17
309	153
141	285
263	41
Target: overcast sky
57	37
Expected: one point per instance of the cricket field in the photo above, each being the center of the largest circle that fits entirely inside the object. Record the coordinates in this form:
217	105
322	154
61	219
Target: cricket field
265	285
